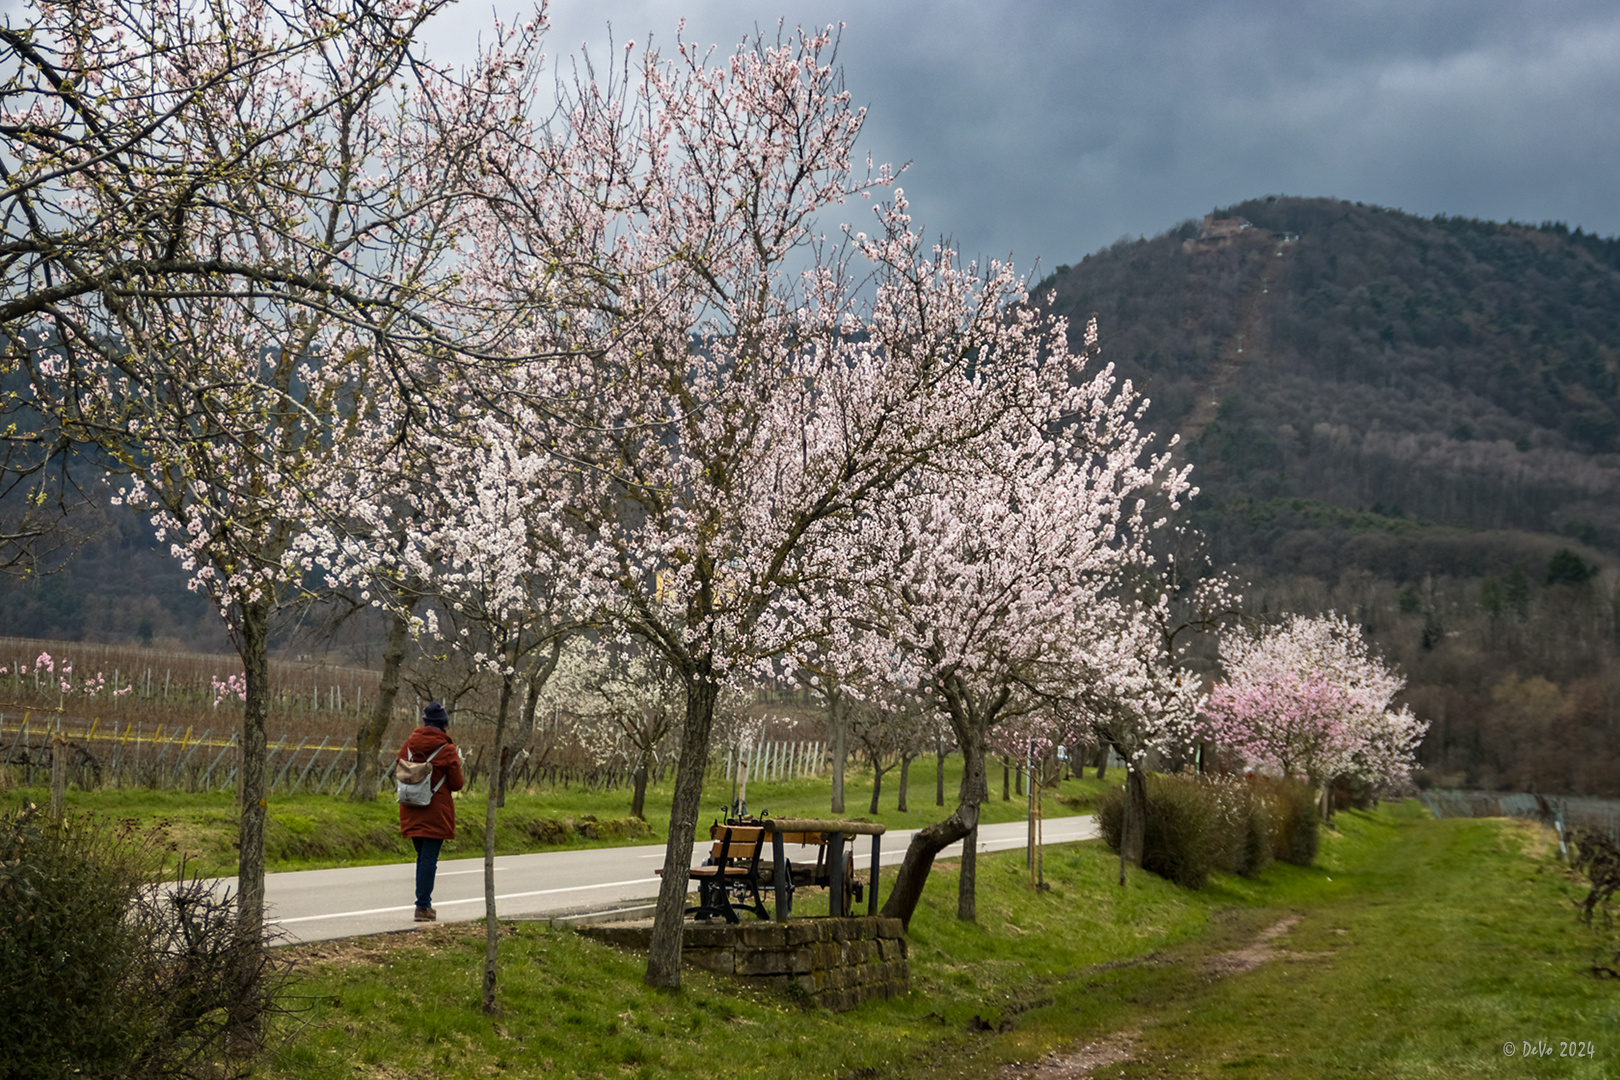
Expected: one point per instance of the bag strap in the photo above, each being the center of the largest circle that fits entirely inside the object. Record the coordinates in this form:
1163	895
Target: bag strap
427	759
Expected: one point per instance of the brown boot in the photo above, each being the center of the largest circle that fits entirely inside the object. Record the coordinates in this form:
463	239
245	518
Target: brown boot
426	914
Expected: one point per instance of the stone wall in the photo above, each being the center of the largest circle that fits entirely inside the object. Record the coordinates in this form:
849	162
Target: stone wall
838	963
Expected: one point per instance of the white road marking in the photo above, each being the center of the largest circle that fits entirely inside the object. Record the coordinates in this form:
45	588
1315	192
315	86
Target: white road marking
470	900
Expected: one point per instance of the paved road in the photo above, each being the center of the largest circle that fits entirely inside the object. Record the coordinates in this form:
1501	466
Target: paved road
312	905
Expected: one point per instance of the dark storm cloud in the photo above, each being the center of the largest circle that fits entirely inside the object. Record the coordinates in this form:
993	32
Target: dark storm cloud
1051	128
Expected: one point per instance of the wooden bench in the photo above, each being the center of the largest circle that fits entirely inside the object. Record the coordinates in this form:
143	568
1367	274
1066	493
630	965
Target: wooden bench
732	870
731	879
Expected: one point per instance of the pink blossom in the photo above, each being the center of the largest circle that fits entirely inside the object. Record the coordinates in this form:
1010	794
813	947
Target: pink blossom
1308	697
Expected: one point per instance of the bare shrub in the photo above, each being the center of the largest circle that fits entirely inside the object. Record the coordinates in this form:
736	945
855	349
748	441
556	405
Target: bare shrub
108	969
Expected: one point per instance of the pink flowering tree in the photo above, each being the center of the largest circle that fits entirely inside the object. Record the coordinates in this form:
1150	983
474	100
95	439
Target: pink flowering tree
1309	698
1297	723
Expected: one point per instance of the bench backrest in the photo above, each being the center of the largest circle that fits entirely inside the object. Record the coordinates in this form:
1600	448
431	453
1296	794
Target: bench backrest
745	841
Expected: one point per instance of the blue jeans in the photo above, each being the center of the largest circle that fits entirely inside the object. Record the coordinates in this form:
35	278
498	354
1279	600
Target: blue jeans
427	867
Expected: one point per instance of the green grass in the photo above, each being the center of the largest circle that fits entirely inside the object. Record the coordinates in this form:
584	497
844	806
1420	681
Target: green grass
1435	943
1421	947
310	832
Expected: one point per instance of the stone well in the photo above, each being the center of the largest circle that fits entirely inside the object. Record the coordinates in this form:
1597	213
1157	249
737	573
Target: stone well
838	963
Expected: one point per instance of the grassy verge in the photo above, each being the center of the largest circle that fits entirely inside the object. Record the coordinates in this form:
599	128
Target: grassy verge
1419	948
309	832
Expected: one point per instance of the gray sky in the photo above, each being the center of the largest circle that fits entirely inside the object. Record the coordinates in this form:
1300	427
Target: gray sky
1050	128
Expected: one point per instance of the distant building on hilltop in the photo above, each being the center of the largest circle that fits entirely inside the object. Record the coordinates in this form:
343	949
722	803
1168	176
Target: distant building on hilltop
1219	232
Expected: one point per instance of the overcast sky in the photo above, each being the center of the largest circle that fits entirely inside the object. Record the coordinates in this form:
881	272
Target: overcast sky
1049	128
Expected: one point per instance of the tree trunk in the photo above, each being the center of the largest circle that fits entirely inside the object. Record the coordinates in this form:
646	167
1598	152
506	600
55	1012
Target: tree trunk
1006	782
929	842
877	783
538	676
638	791
939	776
664	953
492	928
905	781
368	738
1102	761
59	758
503	767
967	885
253	640
914	868
1136	815
838	729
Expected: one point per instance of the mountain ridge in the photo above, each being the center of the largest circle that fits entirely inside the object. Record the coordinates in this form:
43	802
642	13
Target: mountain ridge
1463	370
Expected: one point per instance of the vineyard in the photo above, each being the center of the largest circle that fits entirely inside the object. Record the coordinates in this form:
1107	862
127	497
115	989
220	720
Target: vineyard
137	717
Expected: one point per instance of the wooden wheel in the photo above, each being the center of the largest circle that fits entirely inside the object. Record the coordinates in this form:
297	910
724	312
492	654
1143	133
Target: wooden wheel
849	883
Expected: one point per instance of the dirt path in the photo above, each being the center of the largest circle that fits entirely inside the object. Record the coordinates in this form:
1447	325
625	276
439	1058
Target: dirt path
1247	345
1078	1063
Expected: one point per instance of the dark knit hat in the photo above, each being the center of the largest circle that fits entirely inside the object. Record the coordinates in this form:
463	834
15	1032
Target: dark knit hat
435	716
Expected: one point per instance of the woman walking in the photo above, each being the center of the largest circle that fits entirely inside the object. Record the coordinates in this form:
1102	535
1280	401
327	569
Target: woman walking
430	826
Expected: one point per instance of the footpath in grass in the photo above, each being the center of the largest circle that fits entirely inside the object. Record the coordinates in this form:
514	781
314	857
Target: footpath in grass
1415	948
314	832
1439	948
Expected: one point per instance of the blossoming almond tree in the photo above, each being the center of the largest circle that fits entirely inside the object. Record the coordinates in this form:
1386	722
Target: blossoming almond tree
1309	698
1173	598
231	220
994	580
471	513
720	392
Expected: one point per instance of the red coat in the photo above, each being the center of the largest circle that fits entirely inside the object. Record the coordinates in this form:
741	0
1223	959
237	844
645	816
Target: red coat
436	820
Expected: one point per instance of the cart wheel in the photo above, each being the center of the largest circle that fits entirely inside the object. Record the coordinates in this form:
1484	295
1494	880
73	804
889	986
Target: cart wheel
849	883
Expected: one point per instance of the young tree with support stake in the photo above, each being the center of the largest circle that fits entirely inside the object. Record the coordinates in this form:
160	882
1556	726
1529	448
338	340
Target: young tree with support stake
484	518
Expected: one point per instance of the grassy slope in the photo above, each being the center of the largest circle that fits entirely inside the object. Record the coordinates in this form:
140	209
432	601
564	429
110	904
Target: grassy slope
309	832
1425	945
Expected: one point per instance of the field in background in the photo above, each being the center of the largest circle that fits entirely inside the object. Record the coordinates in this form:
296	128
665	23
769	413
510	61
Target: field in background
139	717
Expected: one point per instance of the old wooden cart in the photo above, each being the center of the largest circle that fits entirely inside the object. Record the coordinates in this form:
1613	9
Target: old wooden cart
738	867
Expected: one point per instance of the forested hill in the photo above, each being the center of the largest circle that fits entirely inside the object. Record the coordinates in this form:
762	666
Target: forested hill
1416	422
1461	372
